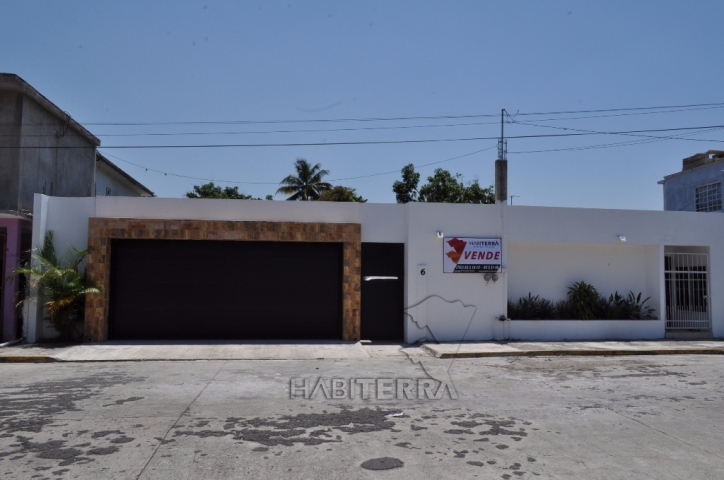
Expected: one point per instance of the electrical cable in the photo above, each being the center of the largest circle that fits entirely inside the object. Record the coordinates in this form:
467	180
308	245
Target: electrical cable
321	130
624	109
625	134
378	142
277	183
433	117
619	115
608	145
396	127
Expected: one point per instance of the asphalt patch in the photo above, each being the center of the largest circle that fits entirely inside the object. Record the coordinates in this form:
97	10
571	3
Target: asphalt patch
34	406
103	450
308	429
384	463
104	433
121	402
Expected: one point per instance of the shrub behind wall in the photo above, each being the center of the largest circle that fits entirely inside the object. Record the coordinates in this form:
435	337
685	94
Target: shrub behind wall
584	302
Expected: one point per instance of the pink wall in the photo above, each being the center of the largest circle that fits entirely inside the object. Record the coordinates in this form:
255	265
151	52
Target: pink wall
14	227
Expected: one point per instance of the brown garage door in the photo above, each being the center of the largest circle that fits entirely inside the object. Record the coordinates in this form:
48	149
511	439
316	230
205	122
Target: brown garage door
185	289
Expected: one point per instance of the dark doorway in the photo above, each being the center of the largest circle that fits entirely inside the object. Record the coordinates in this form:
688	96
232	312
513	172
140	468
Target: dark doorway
26	242
187	290
383	298
3	250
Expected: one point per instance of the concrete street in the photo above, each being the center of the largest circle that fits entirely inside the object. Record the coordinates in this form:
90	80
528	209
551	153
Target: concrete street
514	417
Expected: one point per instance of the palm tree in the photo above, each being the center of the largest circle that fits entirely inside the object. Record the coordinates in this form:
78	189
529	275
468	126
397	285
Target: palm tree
307	185
58	285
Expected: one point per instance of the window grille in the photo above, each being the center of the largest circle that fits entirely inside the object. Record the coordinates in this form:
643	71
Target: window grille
708	198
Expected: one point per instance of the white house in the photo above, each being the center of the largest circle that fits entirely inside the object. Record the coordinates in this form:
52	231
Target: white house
111	181
193	269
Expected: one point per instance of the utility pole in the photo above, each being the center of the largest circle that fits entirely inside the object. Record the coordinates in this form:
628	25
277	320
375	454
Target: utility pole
501	165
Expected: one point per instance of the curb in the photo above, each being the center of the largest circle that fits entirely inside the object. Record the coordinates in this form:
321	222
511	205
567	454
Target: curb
581	353
26	359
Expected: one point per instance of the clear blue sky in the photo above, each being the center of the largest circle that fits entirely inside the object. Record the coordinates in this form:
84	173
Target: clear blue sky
151	62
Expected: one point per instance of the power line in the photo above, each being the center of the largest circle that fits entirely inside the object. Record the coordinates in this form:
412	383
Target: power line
354	129
378	142
642	110
625	134
416	166
320	130
616	144
434	117
624	109
620	114
187	176
277	183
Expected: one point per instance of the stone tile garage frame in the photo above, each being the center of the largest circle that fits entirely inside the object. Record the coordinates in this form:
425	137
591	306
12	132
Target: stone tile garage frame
101	231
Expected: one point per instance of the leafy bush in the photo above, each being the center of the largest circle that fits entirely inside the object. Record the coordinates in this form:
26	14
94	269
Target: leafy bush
584	299
532	308
637	308
613	308
58	284
584	302
564	310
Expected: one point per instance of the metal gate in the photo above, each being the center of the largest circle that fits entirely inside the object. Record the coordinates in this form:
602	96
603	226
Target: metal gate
687	291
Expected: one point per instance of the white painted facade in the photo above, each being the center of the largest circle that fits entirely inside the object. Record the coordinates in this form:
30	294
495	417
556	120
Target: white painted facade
111	181
545	250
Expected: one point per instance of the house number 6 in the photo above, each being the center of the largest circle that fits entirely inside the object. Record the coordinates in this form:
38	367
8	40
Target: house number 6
422	272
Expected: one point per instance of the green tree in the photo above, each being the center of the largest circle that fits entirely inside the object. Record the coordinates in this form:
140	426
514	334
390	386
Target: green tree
341	194
474	193
441	187
406	190
307	184
210	190
58	285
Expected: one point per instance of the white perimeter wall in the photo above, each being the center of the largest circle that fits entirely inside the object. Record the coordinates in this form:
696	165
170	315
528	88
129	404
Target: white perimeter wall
544	251
450	306
67	218
548	269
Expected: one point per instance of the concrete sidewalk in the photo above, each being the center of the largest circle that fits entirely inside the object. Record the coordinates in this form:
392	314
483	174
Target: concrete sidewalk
512	349
171	351
300	350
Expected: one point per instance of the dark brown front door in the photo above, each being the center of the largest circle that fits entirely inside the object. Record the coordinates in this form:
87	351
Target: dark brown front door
186	289
383	280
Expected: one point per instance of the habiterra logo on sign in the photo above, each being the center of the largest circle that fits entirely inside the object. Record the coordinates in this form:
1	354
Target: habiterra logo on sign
471	255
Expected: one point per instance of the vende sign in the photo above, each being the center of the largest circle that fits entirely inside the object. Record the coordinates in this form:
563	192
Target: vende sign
471	255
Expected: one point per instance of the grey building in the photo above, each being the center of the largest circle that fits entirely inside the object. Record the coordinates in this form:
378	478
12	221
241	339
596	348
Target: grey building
698	186
42	150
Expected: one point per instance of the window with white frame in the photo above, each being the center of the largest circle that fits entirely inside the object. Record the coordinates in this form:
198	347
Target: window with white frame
708	198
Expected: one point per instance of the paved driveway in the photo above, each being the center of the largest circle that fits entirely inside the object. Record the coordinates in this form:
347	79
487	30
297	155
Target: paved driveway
572	417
